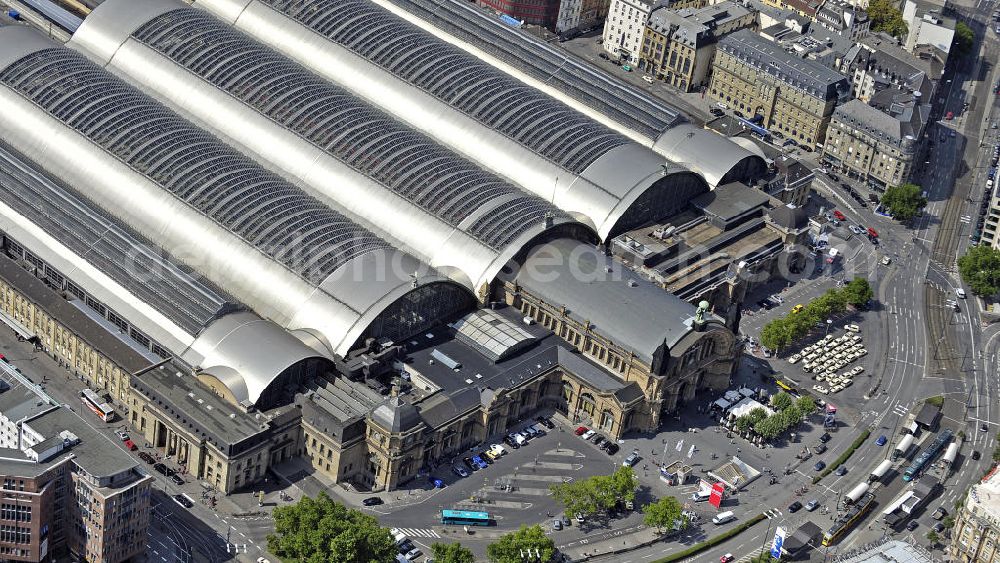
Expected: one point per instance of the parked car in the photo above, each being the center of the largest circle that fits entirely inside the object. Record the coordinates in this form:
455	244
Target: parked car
841	471
470	464
819	448
939	527
826	437
611	447
372	501
976	455
912	525
510	441
820	466
881	441
479	462
146	457
482	455
939	513
726	558
795	506
631	460
160	468
545	422
557	525
460	471
579	517
131	445
177	479
122	435
580	431
183	501
588	434
812	505
598	440
498	450
435	482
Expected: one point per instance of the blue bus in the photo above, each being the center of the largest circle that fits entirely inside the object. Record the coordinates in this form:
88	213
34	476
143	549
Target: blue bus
465	518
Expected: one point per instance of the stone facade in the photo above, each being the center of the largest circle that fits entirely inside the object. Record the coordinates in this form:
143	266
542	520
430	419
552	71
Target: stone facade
795	97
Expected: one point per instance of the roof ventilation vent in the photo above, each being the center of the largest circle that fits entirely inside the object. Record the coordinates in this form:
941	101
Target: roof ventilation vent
633	283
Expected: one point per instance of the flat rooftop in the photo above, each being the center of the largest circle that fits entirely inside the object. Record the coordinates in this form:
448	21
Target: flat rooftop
476	377
195	407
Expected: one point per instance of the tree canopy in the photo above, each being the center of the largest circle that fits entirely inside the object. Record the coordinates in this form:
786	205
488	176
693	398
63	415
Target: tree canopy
980	268
857	292
510	547
783	331
594	494
964	38
664	513
323	531
781	401
885	16
904	201
451	553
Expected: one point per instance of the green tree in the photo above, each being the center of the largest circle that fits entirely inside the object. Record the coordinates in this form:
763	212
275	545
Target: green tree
904	201
885	16
625	482
776	334
576	496
744	424
964	38
510	547
980	268
781	401
933	537
323	531
805	405
451	553
858	291
664	513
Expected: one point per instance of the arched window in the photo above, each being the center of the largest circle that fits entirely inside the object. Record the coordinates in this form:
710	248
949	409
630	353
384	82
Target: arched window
567	391
607	420
587	403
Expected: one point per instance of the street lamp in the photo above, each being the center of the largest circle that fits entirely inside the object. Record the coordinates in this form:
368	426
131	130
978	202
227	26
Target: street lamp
829	322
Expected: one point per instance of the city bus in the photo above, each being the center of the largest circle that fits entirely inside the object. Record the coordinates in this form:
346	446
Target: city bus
98	406
465	518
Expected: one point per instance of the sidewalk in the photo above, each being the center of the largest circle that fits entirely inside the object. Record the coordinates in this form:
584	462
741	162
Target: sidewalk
620	544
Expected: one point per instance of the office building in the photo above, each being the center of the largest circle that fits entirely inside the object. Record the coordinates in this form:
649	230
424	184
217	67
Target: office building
581	15
625	28
976	535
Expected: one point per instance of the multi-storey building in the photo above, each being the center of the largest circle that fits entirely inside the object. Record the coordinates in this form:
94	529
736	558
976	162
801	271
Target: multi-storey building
679	44
534	12
927	26
877	144
581	14
625	28
991	226
878	137
843	18
976	535
789	95
67	492
804	8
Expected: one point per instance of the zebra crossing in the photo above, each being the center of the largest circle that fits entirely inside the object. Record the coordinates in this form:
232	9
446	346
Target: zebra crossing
965	219
900	409
419	532
772	513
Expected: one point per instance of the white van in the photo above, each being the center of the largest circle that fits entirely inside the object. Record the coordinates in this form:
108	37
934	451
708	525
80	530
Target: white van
723	517
701	496
960	293
398	536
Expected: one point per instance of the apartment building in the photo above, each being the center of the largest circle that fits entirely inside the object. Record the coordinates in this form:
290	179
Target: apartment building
804	8
581	14
679	45
976	535
878	64
625	28
792	96
843	18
